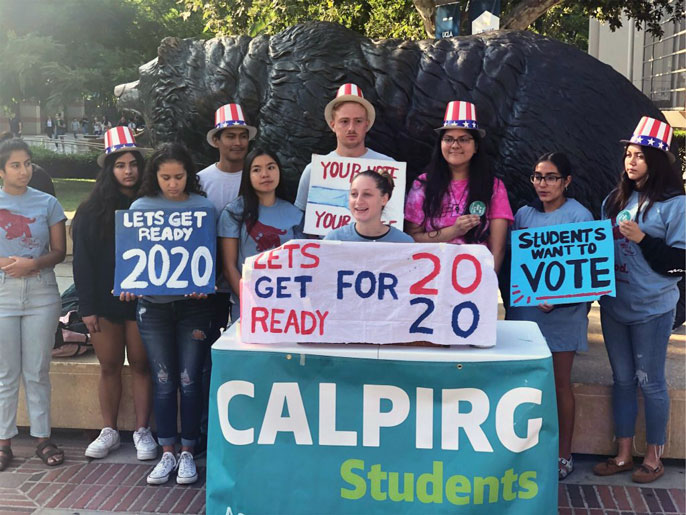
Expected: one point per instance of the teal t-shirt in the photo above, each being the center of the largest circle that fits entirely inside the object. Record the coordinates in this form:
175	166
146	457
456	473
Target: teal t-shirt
25	222
642	293
349	233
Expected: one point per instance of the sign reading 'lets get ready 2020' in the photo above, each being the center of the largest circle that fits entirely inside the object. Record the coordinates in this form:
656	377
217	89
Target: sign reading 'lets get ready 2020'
343	292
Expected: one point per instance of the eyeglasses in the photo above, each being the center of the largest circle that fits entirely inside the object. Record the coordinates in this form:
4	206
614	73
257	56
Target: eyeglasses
547	179
462	140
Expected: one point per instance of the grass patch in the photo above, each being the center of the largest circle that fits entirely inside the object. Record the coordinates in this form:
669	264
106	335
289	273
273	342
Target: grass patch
71	192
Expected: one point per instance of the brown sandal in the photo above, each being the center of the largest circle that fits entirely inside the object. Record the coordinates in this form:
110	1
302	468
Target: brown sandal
611	467
47	450
647	474
6	456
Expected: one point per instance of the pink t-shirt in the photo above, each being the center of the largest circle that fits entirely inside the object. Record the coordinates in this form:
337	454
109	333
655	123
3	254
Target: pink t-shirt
454	204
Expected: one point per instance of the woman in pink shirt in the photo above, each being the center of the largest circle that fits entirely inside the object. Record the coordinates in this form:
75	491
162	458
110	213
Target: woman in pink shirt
458	199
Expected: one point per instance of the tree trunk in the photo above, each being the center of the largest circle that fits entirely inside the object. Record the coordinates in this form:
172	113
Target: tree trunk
525	13
427	10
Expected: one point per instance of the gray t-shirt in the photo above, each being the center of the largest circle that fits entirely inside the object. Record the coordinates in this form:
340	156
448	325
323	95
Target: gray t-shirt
565	328
642	293
275	225
25	222
304	184
349	233
221	187
194	201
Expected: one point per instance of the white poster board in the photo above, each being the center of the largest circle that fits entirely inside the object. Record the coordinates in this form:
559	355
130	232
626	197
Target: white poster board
358	292
327	199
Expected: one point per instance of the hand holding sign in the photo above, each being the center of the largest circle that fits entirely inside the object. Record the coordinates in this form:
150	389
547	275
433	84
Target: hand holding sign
562	264
164	252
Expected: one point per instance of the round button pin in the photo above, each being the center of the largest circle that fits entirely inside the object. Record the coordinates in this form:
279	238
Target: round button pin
623	216
477	208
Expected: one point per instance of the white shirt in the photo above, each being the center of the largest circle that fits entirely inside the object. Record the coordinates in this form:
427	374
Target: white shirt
221	187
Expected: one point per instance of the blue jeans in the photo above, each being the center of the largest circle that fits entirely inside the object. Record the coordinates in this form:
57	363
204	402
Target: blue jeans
638	353
176	338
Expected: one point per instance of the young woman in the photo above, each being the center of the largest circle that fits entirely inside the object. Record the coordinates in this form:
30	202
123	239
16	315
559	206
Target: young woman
369	193
32	242
647	209
258	220
564	326
174	328
111	322
458	199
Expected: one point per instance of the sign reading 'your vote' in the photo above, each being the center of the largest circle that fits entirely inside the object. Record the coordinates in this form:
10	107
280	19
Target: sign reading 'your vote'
343	292
562	264
164	252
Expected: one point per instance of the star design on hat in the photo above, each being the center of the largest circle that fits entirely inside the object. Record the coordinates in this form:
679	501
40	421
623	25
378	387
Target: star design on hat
471	124
463	123
651	142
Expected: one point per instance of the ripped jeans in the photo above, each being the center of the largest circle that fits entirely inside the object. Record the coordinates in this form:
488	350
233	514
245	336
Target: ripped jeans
638	353
175	338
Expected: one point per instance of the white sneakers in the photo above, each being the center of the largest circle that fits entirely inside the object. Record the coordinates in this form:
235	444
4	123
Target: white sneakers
146	446
108	440
160	474
186	472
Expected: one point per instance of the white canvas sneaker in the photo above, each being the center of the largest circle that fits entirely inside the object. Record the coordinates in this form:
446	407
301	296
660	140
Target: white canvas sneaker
146	447
107	440
186	473
160	474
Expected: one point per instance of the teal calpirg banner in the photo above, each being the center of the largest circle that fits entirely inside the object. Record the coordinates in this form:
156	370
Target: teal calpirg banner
300	433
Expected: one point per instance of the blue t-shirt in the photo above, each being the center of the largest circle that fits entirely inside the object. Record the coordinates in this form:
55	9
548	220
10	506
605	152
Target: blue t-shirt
194	201
642	293
25	222
276	224
349	233
565	328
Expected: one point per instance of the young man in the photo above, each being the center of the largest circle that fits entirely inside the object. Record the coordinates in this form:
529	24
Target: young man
350	117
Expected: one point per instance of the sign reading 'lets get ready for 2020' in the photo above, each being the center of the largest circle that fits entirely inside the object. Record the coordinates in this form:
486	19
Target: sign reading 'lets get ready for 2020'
343	292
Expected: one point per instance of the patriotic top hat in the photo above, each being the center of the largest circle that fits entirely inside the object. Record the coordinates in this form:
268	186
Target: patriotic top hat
653	133
460	115
229	116
350	93
118	140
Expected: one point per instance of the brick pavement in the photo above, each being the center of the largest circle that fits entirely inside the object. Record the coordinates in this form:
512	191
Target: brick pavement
117	484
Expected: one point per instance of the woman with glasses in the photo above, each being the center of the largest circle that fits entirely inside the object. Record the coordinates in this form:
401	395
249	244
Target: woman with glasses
458	199
564	326
647	211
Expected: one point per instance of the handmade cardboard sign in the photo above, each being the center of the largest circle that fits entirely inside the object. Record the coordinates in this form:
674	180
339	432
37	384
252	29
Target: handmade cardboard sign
327	200
164	252
342	292
562	264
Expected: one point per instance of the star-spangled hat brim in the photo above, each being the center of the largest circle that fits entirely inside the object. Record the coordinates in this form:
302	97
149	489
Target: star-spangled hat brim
371	112
446	127
252	132
661	146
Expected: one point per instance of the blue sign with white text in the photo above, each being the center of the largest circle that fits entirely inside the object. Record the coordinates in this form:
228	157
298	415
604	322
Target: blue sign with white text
562	264
165	252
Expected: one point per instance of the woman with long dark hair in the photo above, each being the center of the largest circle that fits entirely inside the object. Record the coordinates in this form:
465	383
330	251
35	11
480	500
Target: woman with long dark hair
32	242
174	328
111	322
647	211
564	326
458	199
258	220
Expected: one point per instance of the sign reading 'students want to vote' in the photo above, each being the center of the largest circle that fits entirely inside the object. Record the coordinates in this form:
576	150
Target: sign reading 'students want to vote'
327	199
345	292
562	264
165	252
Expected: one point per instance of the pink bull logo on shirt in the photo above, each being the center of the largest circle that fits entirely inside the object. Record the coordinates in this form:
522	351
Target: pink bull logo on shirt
266	236
16	226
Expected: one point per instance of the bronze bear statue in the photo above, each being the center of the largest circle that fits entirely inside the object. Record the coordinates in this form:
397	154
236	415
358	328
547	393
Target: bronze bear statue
533	95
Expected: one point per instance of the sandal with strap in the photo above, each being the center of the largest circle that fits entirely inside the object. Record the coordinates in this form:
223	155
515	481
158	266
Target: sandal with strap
6	456
565	467
647	474
47	450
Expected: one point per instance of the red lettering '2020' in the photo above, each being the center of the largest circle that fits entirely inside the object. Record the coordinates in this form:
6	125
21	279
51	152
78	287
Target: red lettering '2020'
419	288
